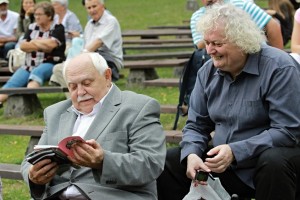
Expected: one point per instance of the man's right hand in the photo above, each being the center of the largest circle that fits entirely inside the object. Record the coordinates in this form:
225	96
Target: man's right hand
42	172
194	163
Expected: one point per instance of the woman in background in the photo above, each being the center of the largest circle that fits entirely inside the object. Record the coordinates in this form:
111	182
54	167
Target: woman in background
283	11
68	19
26	17
44	44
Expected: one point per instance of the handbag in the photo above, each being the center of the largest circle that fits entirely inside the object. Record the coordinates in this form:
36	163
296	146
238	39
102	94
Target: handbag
16	58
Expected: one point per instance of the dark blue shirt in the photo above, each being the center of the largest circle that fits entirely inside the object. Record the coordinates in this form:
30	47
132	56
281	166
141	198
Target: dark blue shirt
256	111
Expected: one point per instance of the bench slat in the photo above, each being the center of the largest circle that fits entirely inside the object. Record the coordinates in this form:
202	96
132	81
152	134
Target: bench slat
156	32
158	46
10	171
144	64
161	55
162	82
23	90
158	41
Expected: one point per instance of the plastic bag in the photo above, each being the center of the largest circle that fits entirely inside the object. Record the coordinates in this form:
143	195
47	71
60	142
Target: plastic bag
212	191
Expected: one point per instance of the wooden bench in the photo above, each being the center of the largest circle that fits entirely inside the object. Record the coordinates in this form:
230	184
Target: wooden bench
185	26
12	171
24	101
156	33
24	96
159	55
157	41
188	45
162	82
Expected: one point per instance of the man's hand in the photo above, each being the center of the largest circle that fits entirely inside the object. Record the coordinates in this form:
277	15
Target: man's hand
194	163
42	172
89	154
220	158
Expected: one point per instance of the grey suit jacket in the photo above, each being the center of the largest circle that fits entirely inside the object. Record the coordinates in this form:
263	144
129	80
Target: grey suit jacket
128	128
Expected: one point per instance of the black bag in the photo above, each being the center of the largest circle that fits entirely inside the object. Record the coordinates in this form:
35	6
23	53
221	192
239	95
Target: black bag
187	80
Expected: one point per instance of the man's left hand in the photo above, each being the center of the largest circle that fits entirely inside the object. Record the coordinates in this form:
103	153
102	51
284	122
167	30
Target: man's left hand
220	158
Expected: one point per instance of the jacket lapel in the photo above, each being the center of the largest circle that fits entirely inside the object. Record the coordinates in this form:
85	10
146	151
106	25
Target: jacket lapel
108	110
66	124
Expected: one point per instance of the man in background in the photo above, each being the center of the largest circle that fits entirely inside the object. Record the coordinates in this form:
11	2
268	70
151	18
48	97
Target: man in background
102	34
8	24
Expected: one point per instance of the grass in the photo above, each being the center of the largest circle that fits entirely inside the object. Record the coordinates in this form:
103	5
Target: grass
132	14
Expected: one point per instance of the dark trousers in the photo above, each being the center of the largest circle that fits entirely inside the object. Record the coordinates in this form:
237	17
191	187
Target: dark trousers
277	177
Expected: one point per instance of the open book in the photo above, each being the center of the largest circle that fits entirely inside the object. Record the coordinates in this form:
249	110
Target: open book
57	153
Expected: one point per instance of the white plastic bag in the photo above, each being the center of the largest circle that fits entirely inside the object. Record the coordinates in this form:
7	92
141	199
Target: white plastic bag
16	58
212	191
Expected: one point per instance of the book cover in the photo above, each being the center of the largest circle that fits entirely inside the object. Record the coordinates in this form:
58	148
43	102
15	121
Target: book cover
57	153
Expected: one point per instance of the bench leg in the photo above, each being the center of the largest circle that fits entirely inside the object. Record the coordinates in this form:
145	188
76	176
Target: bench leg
33	141
19	105
138	76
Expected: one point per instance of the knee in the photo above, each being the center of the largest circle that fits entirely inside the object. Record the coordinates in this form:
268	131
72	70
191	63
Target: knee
57	69
272	160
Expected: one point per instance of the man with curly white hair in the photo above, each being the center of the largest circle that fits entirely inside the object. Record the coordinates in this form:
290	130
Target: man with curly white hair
247	94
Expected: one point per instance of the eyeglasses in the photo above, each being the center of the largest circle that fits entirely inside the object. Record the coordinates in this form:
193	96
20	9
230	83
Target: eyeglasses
38	14
215	43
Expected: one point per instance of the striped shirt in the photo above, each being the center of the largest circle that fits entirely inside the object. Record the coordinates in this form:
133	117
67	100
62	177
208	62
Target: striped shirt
259	16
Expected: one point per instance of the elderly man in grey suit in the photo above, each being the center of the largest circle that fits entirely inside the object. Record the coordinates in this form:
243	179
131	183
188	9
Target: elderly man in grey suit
125	147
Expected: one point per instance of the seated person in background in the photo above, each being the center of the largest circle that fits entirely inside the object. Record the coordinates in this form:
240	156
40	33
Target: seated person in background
295	41
44	44
8	24
246	94
102	34
259	16
125	145
68	19
283	11
26	17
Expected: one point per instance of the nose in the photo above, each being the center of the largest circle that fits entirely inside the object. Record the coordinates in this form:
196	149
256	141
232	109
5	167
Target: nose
80	90
210	48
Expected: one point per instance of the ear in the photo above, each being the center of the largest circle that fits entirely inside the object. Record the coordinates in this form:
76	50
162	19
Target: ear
108	74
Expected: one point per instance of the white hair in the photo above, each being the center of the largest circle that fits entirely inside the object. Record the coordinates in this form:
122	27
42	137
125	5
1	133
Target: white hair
98	61
64	3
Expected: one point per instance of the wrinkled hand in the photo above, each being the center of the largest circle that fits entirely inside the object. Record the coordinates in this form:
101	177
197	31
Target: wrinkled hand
42	172
194	163
89	154
222	158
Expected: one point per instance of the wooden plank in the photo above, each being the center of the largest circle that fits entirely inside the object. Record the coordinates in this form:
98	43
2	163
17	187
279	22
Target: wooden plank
4	79
173	136
23	90
160	55
144	64
166	82
24	130
156	32
158	46
170	109
170	27
158	41
10	171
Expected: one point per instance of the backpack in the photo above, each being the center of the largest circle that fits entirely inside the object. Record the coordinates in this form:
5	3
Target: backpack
187	80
